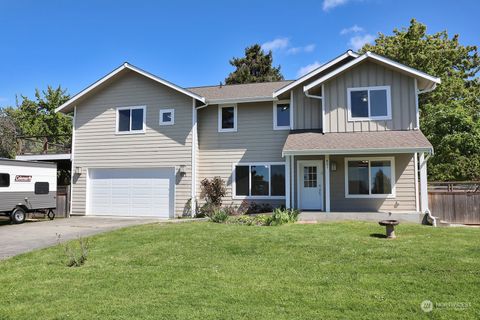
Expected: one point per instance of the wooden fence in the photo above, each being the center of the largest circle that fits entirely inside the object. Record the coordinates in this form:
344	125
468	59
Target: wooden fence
63	201
455	202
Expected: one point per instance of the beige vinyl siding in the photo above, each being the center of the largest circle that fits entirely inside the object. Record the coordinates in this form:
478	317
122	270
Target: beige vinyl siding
364	75
404	200
307	112
254	141
98	146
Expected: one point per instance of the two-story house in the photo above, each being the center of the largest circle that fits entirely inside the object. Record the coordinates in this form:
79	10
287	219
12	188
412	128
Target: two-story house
344	137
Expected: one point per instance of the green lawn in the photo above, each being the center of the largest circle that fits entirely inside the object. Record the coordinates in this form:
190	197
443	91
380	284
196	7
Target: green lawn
215	271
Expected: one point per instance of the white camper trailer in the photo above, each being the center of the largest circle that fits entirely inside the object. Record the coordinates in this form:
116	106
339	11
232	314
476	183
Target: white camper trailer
27	186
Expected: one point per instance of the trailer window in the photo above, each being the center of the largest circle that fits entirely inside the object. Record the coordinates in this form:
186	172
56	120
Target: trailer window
4	180
41	188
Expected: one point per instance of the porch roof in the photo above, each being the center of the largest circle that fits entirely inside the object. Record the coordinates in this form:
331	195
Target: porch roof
311	142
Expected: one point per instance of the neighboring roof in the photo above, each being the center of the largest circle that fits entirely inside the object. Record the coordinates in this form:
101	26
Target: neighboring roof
299	143
425	82
66	107
239	92
315	72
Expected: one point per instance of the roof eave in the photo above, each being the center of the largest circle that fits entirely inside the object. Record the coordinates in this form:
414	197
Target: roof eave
302	152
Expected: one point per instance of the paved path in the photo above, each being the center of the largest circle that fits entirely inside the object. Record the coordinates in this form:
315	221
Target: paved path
20	238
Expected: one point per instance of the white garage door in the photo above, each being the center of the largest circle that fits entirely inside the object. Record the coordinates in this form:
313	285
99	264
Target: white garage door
131	192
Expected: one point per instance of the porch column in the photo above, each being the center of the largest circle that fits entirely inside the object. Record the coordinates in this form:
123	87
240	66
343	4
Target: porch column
423	183
293	182
327	183
288	204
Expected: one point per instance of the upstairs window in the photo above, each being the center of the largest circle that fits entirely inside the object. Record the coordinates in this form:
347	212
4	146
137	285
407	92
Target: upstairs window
281	115
227	118
130	120
4	180
167	117
369	103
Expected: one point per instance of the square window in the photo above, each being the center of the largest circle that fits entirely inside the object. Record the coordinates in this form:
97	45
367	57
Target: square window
167	117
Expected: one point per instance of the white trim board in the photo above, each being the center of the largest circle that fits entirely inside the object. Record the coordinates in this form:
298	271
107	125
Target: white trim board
112	74
378	58
34	157
313	73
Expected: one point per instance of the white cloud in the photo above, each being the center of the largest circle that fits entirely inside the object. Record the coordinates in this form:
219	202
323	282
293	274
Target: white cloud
295	50
276	44
352	29
357	42
309	67
330	4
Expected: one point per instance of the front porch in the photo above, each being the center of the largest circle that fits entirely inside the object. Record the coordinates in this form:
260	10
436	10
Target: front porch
357	176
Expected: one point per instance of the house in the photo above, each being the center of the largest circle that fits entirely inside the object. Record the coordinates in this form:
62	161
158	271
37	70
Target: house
344	137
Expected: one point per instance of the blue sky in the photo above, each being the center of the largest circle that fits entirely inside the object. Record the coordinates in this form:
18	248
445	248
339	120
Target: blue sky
74	43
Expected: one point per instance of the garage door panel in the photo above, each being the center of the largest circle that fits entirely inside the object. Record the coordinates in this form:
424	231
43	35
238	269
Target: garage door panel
131	192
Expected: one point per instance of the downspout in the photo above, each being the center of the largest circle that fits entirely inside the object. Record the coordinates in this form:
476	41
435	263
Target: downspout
427	212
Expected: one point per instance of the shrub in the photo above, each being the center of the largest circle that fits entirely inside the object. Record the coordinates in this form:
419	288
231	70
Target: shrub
233	210
258	220
282	216
213	191
255	208
262	220
77	254
219	216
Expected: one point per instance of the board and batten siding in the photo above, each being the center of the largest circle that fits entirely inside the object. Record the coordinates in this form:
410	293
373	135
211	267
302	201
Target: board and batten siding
307	112
254	141
98	146
369	74
404	200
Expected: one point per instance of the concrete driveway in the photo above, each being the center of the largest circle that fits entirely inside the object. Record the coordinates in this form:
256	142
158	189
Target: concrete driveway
20	238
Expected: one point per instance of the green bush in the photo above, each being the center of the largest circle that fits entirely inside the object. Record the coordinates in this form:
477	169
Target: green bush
219	216
282	216
258	220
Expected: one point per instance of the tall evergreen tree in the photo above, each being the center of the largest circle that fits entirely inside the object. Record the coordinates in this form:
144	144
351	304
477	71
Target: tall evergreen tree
449	115
255	66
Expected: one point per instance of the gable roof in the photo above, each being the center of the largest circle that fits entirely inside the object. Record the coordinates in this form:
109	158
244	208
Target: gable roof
426	81
249	92
315	72
67	106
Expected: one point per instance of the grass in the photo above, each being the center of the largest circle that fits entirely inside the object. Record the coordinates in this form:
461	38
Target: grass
217	271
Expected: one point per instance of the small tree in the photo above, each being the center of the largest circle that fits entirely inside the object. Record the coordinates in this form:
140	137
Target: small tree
213	191
8	132
255	66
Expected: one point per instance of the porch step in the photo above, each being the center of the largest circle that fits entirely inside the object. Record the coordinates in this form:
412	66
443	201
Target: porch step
312	217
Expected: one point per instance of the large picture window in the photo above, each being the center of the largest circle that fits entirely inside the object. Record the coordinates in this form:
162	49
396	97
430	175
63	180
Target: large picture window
369	103
130	120
369	177
261	180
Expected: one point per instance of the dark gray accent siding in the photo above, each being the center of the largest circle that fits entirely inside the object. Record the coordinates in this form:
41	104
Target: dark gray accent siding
8	200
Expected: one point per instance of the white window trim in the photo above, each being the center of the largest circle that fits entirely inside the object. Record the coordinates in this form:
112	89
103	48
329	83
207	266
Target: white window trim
144	108
368	89
167	123
220	107
275	126
368	196
249	164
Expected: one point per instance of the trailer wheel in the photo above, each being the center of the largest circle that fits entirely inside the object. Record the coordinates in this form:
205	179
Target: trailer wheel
51	214
18	216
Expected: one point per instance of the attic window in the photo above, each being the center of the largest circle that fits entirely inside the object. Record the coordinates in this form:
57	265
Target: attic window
369	103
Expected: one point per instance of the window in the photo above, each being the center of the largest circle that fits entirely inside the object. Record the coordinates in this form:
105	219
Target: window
369	103
369	177
259	180
42	188
167	117
281	115
130	120
227	118
4	180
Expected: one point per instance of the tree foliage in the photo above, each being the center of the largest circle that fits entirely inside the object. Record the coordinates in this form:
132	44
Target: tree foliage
449	115
255	66
7	134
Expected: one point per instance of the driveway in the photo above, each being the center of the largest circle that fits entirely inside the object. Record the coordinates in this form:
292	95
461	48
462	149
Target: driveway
20	238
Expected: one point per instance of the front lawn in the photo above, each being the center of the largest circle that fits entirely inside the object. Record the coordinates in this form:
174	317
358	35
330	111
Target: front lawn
218	271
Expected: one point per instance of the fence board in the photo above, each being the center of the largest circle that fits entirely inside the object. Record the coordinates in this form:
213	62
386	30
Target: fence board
455	206
63	201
